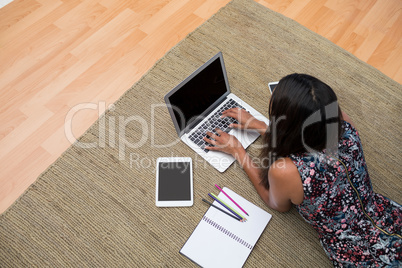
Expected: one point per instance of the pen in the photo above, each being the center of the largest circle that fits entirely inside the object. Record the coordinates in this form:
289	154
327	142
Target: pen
227	206
232	200
236	218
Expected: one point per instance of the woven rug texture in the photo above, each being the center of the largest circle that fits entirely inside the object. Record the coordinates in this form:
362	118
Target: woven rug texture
96	206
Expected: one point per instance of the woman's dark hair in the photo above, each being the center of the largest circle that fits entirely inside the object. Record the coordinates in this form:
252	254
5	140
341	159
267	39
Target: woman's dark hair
304	117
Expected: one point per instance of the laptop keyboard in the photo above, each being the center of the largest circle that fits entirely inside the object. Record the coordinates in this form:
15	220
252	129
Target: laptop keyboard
212	123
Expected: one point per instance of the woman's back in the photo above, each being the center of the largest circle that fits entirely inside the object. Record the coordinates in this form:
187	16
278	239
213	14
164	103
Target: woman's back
334	193
333	208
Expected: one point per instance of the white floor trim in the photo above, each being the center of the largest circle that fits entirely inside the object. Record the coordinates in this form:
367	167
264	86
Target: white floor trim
4	2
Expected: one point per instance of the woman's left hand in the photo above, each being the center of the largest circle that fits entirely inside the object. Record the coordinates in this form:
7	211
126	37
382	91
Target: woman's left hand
223	142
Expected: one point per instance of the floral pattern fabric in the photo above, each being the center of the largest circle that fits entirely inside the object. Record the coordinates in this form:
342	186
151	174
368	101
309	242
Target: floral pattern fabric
332	207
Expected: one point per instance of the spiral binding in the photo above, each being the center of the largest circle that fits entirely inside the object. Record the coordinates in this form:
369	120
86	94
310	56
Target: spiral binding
227	232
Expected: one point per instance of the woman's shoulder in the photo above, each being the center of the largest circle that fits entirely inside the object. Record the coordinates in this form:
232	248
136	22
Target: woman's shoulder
347	120
283	167
284	170
284	179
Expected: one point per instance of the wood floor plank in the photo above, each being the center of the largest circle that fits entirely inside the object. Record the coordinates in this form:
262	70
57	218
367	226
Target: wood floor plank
160	17
12	15
22	132
81	15
10	119
387	50
209	7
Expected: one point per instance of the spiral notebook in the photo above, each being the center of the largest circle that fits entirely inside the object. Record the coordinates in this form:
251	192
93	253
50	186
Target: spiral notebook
221	241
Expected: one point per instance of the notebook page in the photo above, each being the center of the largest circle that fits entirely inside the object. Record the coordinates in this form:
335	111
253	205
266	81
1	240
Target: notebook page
220	240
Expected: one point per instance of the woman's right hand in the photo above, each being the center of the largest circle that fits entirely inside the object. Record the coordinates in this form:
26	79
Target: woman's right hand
245	120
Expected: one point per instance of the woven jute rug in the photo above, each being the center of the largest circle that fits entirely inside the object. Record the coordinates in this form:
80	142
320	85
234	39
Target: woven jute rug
95	206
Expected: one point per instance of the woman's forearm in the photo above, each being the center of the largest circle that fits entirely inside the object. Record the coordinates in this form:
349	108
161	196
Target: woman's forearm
253	173
260	126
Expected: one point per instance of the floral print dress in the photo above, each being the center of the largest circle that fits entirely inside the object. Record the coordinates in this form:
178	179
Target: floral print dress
333	208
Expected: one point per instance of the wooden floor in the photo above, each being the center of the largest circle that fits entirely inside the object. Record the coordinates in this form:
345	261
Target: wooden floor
57	54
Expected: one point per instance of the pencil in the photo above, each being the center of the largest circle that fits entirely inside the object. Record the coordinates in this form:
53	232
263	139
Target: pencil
232	200
236	218
227	206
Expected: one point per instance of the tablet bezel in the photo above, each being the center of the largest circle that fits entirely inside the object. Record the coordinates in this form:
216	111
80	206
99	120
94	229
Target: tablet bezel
270	84
175	203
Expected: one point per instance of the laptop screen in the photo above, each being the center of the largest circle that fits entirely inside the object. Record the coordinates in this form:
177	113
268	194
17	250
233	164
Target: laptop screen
193	98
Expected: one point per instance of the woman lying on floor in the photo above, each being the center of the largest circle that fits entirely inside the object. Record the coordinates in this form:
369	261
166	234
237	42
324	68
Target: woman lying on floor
313	159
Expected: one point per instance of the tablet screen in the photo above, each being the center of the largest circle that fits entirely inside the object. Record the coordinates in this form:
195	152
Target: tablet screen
174	183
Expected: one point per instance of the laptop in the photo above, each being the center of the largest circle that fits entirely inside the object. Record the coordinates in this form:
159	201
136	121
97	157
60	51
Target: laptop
196	104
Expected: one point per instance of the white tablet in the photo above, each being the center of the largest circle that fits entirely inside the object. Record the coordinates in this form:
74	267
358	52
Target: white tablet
272	86
174	182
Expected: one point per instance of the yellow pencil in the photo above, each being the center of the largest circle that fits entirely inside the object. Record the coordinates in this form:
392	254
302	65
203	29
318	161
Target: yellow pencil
229	207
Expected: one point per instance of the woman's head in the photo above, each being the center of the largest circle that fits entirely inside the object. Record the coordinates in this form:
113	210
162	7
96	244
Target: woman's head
304	116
